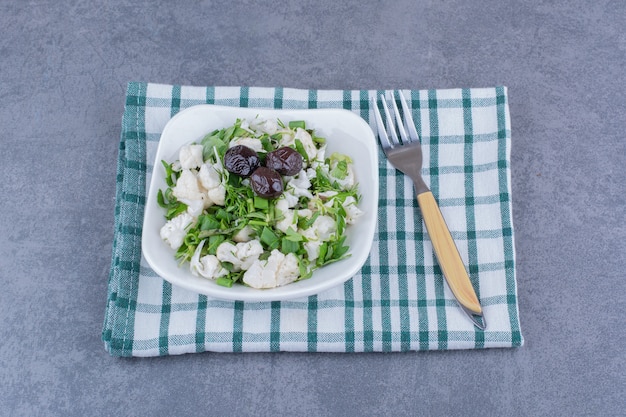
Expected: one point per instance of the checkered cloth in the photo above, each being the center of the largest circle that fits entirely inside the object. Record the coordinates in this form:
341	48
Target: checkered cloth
397	302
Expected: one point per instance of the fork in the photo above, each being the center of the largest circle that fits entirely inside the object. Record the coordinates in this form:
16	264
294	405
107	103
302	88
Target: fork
405	154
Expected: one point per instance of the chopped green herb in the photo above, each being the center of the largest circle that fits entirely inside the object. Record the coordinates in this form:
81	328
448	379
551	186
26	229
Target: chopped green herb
167	201
224	282
293	236
261	203
270	238
170	175
214	242
297	124
208	222
211	145
340	170
301	150
289	246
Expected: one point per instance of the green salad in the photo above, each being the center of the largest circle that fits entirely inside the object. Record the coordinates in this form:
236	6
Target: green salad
258	203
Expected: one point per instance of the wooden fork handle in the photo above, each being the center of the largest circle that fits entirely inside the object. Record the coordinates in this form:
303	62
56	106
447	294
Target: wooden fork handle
447	253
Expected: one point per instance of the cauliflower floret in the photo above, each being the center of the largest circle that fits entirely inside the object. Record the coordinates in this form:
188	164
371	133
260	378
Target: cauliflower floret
348	181
174	231
322	229
251	143
352	211
218	195
326	195
211	180
241	255
307	142
283	205
299	185
227	252
311	173
306	213
289	270
288	221
209	176
189	191
320	156
195	207
312	249
190	156
187	187
290	216
264	126
286	138
207	266
286	200
275	271
244	235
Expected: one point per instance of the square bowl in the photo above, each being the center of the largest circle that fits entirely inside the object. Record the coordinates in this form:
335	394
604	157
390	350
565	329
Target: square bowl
345	132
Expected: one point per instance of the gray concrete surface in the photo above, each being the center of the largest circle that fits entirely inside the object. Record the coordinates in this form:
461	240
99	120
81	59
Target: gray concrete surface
63	70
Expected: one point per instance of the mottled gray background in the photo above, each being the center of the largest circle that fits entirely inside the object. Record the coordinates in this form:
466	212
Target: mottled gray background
64	66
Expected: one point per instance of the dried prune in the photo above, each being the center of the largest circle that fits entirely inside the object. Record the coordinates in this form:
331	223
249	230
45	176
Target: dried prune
266	182
241	160
285	160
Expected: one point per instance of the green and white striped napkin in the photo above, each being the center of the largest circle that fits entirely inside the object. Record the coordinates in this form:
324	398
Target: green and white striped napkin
397	302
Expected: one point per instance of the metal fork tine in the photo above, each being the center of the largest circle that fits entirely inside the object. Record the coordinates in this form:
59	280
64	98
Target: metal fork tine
408	118
382	134
391	130
394	108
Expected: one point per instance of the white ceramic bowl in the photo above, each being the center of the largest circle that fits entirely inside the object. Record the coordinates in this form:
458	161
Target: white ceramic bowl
344	131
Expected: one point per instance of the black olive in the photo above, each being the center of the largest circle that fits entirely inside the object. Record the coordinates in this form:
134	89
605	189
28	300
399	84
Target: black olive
266	182
285	160
241	160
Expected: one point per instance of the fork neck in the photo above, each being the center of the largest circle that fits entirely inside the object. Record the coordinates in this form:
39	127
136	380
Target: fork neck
420	185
